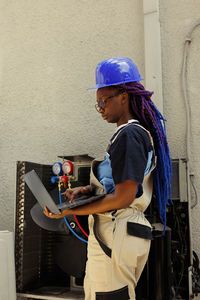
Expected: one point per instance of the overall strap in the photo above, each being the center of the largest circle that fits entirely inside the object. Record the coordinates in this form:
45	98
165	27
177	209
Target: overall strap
105	248
154	158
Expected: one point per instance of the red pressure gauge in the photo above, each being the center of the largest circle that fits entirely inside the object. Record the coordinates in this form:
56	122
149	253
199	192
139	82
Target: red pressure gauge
67	167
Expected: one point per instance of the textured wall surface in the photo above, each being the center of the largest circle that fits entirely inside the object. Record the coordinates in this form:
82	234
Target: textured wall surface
177	17
48	53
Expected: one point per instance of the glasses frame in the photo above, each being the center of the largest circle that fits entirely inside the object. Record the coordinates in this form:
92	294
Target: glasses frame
102	103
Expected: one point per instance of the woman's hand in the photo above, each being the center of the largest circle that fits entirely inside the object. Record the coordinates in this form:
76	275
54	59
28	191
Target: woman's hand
51	215
70	194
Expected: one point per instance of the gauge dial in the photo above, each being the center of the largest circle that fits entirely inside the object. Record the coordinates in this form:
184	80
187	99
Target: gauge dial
57	168
67	167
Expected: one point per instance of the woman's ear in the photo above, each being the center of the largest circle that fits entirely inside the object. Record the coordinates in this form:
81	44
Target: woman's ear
125	98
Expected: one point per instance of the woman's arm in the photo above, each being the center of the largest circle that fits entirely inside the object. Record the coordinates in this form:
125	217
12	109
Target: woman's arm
125	193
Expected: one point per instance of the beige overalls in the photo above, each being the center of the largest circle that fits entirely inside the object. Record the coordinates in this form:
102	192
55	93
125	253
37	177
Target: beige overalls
115	277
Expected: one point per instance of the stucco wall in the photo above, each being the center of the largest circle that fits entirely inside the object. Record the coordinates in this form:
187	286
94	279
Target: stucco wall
176	19
48	53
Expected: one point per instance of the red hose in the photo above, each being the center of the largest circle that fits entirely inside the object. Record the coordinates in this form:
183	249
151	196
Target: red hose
79	225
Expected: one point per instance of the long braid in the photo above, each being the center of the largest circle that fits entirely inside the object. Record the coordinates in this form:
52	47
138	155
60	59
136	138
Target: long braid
149	116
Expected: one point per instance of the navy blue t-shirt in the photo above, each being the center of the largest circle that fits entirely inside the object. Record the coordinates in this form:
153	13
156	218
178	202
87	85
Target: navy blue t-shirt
129	154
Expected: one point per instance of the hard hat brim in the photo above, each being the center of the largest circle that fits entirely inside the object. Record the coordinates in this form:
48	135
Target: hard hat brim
98	86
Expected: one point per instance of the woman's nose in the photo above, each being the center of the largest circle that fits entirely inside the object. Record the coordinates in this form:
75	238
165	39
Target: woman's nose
101	110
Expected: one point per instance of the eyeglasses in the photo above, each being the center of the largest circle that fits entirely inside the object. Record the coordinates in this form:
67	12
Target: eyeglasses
102	104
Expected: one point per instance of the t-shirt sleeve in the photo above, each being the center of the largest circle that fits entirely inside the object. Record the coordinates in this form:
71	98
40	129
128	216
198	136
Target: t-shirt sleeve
129	155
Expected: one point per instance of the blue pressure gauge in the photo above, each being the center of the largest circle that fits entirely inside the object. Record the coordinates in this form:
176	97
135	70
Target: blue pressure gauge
57	168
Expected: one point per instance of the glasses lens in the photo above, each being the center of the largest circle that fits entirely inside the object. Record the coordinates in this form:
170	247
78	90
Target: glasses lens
97	107
100	105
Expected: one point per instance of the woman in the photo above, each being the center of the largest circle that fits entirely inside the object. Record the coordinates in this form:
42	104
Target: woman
120	235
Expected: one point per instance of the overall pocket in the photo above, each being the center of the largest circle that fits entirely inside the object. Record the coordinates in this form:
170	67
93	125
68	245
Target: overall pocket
120	294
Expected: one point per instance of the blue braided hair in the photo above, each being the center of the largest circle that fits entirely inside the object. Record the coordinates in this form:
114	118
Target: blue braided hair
145	111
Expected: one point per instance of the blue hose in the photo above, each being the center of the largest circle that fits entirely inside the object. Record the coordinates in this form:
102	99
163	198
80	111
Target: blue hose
68	225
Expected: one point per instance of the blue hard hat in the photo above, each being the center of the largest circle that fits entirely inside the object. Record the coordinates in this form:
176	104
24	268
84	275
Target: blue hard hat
116	70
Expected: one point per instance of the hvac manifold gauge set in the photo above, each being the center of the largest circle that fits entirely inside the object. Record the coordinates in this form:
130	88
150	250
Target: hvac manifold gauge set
63	173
